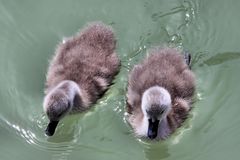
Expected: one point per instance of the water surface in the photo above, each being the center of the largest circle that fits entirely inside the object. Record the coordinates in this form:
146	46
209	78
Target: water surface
29	33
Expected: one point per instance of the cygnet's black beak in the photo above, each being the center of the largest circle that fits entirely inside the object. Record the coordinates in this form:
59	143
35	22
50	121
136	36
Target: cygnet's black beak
153	128
51	128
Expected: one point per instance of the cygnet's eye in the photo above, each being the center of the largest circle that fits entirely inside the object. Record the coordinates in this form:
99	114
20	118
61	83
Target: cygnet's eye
147	111
161	111
69	104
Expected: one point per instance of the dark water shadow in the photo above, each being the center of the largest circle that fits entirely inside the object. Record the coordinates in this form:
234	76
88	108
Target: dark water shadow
160	148
221	58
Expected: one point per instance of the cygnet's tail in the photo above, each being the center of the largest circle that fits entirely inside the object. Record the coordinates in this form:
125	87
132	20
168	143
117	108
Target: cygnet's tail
99	36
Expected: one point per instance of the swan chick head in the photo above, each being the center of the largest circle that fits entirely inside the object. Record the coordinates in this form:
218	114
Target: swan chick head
156	104
56	106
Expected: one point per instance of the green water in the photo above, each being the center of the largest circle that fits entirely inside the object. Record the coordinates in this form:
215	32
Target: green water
29	32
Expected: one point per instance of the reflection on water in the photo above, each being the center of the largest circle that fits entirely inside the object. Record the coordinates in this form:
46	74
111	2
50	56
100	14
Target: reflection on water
30	32
222	57
150	152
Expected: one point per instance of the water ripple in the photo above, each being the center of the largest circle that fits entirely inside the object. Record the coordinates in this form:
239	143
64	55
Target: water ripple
187	8
43	143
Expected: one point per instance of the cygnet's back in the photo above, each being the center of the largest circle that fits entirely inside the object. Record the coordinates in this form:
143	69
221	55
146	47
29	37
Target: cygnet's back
88	59
165	67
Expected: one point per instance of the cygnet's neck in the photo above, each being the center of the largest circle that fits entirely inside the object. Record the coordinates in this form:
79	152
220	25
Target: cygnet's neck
155	95
69	88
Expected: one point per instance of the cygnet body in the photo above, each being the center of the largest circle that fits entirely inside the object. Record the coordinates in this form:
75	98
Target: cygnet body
159	93
80	72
